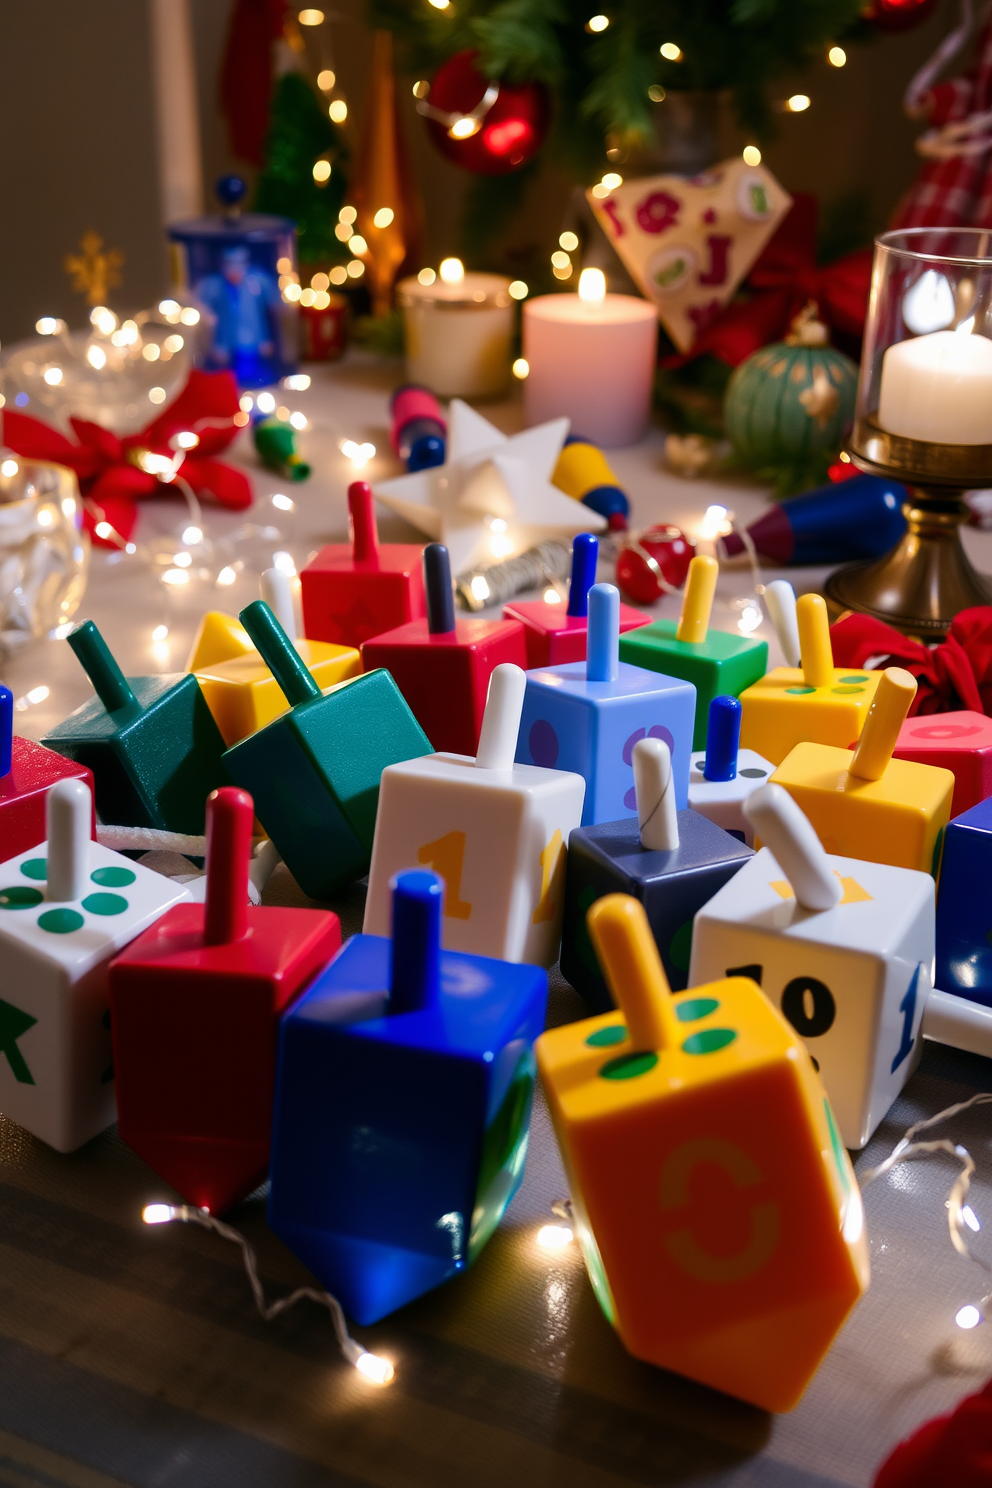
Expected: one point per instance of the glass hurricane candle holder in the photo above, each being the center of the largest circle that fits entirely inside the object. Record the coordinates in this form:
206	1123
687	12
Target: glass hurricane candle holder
924	417
44	553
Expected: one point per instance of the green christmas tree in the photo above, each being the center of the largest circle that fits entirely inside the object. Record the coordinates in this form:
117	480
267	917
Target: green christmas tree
300	134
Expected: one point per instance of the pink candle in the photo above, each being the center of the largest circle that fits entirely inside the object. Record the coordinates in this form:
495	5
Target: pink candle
591	357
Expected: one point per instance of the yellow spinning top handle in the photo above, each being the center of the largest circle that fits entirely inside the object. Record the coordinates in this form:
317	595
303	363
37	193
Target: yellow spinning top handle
886	716
815	649
634	974
697	601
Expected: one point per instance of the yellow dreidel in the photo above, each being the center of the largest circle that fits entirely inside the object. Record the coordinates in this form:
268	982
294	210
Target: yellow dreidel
662	1105
865	804
697	601
219	637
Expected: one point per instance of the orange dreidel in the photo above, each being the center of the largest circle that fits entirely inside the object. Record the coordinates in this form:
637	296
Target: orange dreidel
717	1209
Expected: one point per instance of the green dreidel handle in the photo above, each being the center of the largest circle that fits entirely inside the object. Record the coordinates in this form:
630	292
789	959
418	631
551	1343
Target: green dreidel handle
109	682
279	654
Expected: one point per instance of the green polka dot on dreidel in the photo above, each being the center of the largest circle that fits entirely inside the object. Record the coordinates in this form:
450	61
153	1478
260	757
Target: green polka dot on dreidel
111	878
692	1008
60	921
35	868
105	904
629	1066
603	1037
708	1041
19	897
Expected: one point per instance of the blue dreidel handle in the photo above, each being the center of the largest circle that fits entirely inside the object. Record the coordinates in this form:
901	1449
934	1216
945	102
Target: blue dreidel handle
109	682
6	730
415	975
723	739
603	634
278	652
585	555
440	595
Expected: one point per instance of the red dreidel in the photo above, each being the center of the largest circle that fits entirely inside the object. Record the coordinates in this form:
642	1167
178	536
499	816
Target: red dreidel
442	665
195	1007
553	635
26	772
355	590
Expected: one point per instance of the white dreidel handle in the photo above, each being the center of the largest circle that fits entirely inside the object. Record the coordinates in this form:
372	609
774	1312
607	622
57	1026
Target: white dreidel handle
654	787
277	591
784	828
501	720
68	815
955	1021
781	600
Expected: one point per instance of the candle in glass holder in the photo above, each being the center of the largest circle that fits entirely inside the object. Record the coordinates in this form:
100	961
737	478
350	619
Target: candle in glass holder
591	357
938	388
459	330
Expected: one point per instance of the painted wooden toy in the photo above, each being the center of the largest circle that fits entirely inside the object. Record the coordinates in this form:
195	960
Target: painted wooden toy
195	1007
352	591
495	831
959	742
587	717
672	861
67	905
553	635
442	665
242	693
314	772
402	1107
27	770
151	742
964	914
721	780
717	1210
714	661
843	946
583	472
219	637
862	802
819	702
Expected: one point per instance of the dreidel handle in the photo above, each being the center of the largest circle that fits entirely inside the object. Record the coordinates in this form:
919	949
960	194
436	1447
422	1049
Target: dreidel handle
780	598
501	720
364	533
277	590
415	956
787	831
109	682
6	731
654	788
585	555
603	634
634	974
68	816
697	602
437	586
815	645
278	652
230	816
886	716
723	739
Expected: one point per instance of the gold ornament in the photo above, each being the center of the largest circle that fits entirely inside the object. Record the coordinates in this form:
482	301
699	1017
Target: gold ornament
820	400
93	271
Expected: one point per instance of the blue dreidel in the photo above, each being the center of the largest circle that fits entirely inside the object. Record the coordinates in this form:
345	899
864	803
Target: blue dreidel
586	716
402	1107
721	780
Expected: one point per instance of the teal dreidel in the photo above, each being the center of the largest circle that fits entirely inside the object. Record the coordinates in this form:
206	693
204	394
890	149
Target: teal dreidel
151	742
314	772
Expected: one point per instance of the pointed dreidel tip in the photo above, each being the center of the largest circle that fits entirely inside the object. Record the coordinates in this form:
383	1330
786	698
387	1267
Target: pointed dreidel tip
109	682
230	816
278	652
364	533
780	598
886	716
68	815
654	787
415	954
723	739
276	588
6	731
603	634
697	602
815	646
501	720
585	555
437	586
634	974
785	829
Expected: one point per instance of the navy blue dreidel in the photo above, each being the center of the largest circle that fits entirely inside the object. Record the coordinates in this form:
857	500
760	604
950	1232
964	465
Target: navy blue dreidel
403	1101
721	780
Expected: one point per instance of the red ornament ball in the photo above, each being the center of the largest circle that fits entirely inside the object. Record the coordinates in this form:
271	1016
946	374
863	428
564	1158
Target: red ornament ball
504	138
656	563
898	15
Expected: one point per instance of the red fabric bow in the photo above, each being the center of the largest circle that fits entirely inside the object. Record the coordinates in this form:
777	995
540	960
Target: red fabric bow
952	676
949	1449
106	466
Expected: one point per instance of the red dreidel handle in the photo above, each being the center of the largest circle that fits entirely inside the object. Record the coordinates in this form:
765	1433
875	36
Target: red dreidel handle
364	533
415	976
437	585
230	816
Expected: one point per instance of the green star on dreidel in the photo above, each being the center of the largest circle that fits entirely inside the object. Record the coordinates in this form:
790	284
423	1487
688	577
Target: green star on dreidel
14	1023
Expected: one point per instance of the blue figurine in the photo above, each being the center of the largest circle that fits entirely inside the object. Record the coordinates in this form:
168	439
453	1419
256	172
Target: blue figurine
964	911
587	716
402	1107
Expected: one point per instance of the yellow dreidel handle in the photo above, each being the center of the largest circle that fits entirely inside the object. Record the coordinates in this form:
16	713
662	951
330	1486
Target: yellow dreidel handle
886	716
815	648
634	974
697	601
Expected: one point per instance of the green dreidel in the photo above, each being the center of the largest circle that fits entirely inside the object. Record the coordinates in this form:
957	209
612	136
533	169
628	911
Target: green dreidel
314	772
151	742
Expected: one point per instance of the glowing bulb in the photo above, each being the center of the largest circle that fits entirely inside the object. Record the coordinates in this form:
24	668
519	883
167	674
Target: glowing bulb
169	308
46	326
569	241
836	56
383	217
968	1317
356	269
612	180
157	1213
103	319
671	51
440	4
521	368
104	530
480	588
226	576
284	563
97	357
798	103
297	382
175	576
322	170
426	277
518	290
347	214
592	286
338	274
174	343
656	93
307	297
373	1366
159	634
53	376
311	17
266	403
752	155
715	523
282	502
151	352
560	259
187	440
928	305
68	506
554	1237
189	316
500	546
246	403
319	282
298	420
9	467
597	23
292	292
551	596
182	560
192	536
283	414
36	695
357	244
970	1218
45	517
497	524
338	111
750	619
464	128
452	270
156	395
326	80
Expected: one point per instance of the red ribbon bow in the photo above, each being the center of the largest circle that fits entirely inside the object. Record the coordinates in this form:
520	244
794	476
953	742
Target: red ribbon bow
952	676
110	471
949	1449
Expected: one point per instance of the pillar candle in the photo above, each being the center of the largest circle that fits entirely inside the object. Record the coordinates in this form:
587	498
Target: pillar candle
938	388
458	332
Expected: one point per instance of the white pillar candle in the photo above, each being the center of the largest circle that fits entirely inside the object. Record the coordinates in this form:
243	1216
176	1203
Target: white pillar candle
177	113
593	360
938	388
459	332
